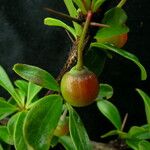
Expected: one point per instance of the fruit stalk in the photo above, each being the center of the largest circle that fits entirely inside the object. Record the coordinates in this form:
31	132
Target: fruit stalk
79	65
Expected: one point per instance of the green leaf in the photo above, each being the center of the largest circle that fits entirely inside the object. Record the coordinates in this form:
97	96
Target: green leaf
110	112
6	84
22	85
146	100
80	4
73	13
33	90
97	4
133	143
116	19
54	141
12	101
144	145
110	133
146	126
106	92
139	133
41	122
22	95
78	133
56	22
11	125
125	54
135	131
19	140
1	148
94	59
115	132
6	108
67	142
37	76
5	136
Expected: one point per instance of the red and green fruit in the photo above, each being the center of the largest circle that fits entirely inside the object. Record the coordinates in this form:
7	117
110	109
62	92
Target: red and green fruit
118	40
62	127
79	87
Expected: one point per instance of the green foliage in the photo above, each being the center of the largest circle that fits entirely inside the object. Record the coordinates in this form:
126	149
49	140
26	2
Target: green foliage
105	92
55	22
37	76
110	111
80	4
33	120
115	18
19	141
107	108
33	90
123	53
73	13
6	108
121	134
11	125
5	136
144	145
1	148
140	133
41	121
22	85
96	4
146	100
66	141
6	84
78	133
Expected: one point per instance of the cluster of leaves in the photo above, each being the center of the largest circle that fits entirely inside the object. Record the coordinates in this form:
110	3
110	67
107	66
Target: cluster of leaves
137	137
32	120
115	18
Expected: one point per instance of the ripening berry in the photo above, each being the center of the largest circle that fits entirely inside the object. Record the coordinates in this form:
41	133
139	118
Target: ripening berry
79	87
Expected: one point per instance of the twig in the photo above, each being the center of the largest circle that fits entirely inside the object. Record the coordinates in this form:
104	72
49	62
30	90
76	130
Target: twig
124	121
99	24
62	15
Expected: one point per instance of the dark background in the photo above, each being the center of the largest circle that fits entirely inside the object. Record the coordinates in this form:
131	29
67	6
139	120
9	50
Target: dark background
24	39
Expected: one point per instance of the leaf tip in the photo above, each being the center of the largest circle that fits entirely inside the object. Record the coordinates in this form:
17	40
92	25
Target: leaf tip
45	21
16	66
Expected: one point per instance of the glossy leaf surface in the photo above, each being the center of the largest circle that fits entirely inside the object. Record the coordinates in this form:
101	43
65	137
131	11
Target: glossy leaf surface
5	136
144	145
33	90
19	140
116	19
55	22
37	76
41	121
6	108
6	84
146	100
67	142
73	13
110	112
106	92
22	85
78	133
125	54
11	125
